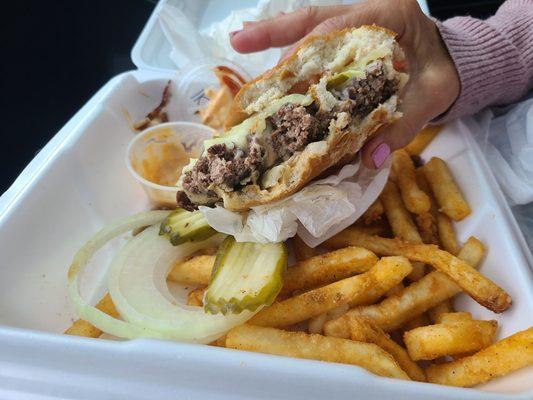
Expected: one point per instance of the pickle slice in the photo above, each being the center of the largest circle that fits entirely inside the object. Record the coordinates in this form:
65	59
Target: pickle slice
245	276
184	226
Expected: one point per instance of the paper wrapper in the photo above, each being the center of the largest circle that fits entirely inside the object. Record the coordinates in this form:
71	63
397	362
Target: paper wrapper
317	212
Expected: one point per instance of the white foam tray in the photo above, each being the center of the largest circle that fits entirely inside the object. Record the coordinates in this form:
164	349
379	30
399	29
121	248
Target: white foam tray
79	182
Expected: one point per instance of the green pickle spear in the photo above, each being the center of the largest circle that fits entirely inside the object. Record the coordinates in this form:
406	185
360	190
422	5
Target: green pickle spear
245	276
184	226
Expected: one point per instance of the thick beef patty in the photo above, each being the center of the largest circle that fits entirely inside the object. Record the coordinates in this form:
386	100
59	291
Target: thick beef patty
360	96
289	131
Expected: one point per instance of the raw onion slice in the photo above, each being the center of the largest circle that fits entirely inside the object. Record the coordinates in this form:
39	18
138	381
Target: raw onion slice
135	290
137	285
84	310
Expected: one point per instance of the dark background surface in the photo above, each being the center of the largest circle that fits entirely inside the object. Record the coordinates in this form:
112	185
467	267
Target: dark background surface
56	54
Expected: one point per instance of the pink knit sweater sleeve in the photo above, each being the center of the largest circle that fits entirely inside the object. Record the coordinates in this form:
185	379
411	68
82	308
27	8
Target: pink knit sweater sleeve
494	57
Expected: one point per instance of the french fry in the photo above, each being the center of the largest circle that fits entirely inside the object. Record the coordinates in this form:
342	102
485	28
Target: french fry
301	250
327	268
472	253
422	139
395	290
427	222
196	297
501	358
433	341
401	223
435	313
84	328
430	291
395	311
416	322
360	289
363	330
476	285
220	342
195	271
453	317
314	347
316	324
446	231
415	200
449	197
427	226
373	213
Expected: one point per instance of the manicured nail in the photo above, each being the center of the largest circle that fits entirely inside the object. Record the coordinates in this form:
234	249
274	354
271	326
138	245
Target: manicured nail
380	154
232	34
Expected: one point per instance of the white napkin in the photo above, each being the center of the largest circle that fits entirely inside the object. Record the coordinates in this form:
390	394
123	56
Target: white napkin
190	43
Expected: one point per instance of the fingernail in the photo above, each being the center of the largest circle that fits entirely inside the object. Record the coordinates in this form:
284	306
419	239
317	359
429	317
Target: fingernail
232	34
380	154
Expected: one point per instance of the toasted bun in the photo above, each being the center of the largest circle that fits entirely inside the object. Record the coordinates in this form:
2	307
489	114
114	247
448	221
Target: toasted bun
316	56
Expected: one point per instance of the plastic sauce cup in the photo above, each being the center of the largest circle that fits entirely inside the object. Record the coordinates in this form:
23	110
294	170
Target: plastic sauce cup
156	156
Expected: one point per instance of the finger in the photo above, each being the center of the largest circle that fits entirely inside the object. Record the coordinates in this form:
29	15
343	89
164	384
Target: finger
282	30
390	138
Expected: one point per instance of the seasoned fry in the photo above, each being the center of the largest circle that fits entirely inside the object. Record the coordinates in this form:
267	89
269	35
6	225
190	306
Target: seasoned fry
451	201
415	200
327	268
373	213
395	311
314	347
84	328
363	330
427	226
395	290
416	322
435	313
301	250
196	297
446	231
399	218
316	324
360	289
472	252
220	342
427	222
507	355
478	286
453	317
422	139
401	223
195	271
433	341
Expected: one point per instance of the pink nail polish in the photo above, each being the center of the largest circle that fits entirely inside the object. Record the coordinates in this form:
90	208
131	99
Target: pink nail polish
232	34
380	154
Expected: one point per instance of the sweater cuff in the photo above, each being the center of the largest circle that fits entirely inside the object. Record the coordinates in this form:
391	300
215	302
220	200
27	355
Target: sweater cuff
489	66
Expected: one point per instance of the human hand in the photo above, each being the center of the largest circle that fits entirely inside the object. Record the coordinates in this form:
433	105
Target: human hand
433	84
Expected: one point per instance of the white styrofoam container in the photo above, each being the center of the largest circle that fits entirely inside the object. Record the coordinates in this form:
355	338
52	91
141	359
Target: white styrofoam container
79	182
